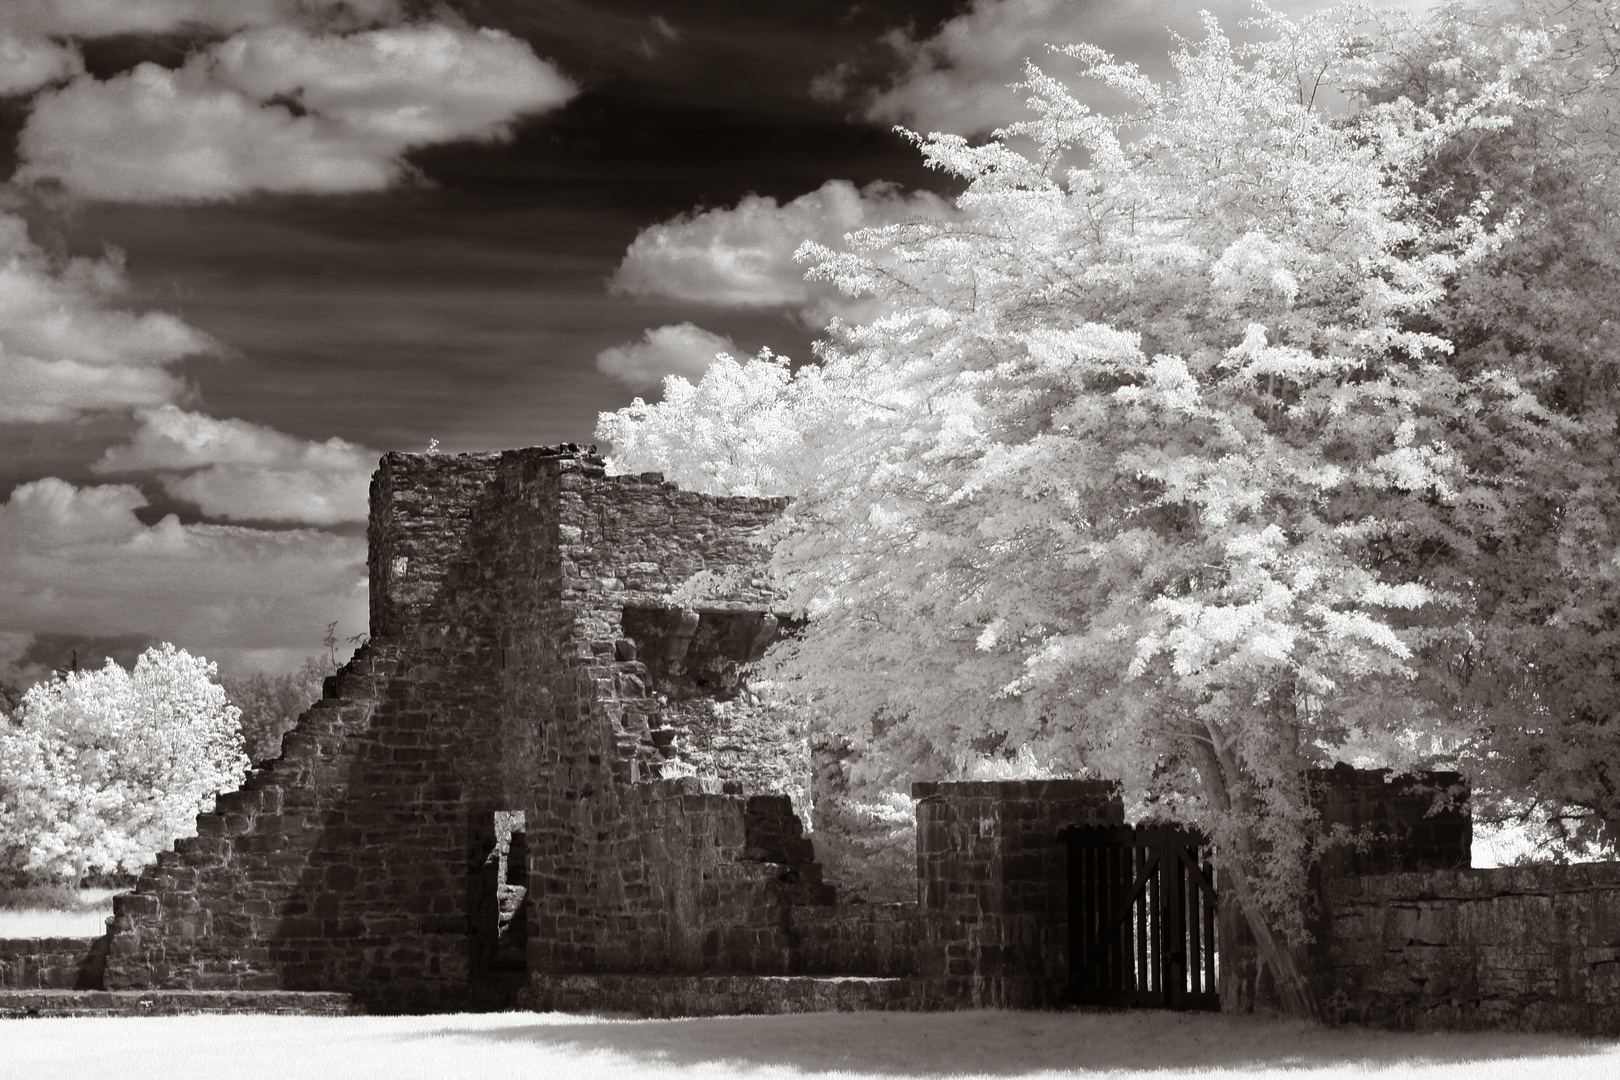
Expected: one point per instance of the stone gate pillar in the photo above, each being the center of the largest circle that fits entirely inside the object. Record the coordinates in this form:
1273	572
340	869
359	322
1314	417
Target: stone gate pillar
992	879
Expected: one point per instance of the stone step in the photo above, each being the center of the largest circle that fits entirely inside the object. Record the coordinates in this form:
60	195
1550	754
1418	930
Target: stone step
16	1004
725	995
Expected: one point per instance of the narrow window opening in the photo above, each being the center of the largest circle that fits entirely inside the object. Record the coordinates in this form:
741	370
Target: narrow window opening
512	892
500	885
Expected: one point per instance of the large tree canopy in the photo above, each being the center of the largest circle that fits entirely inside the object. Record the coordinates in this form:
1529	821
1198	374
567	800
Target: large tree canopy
1162	462
1532	669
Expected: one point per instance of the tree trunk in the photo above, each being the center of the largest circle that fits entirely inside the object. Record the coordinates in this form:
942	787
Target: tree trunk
1297	996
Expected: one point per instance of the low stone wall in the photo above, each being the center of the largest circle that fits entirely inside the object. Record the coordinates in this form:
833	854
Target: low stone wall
1527	948
52	963
694	879
721	995
877	940
26	1004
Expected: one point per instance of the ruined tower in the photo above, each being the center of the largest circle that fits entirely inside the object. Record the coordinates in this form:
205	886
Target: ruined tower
529	654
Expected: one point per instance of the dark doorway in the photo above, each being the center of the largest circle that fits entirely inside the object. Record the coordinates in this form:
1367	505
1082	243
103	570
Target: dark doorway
1141	918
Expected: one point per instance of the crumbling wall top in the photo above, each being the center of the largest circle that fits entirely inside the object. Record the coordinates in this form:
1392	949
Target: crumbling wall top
622	539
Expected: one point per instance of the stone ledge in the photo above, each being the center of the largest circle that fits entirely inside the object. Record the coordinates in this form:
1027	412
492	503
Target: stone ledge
722	995
1546	879
1016	790
15	1004
29	945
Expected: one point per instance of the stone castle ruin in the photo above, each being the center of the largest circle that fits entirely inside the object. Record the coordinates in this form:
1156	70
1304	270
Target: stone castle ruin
544	783
524	659
530	659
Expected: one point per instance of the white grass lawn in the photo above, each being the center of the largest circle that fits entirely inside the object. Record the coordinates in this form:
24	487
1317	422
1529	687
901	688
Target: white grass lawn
891	1046
44	922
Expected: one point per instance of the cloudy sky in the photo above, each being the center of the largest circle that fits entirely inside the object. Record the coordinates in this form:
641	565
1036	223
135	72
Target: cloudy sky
246	246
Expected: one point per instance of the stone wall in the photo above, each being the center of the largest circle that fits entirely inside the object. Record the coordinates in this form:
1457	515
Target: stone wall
1391	823
993	884
52	963
688	879
878	940
722	995
499	677
256	900
1384	824
1530	948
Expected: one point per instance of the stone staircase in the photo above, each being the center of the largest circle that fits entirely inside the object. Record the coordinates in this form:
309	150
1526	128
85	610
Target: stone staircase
260	830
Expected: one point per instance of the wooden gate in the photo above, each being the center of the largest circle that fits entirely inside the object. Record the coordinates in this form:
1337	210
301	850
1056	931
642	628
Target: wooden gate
1141	918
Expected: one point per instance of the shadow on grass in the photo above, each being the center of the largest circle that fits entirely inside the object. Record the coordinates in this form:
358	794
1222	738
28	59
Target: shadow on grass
1014	1043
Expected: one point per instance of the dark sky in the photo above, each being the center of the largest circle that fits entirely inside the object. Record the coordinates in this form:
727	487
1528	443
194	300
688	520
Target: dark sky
470	306
344	227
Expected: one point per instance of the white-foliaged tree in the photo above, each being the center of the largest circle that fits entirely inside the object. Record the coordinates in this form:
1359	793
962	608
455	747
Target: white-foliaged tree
100	770
694	432
1533	668
1117	475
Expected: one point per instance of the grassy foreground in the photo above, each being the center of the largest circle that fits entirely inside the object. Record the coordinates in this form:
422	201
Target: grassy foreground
992	1044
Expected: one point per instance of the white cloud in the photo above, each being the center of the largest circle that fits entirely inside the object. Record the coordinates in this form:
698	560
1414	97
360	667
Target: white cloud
957	80
26	64
279	109
100	18
683	349
743	256
831	85
78	561
244	471
64	351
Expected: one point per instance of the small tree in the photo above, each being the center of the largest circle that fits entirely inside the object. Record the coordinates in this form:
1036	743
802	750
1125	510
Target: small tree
100	770
271	705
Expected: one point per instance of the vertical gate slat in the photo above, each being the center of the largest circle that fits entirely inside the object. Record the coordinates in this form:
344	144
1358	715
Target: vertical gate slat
1211	986
1122	945
1094	957
1082	857
1079	915
1074	866
1195	925
1174	908
1122	948
1170	918
1144	973
1131	937
1138	975
1105	970
1127	941
1178	899
1088	918
1154	932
